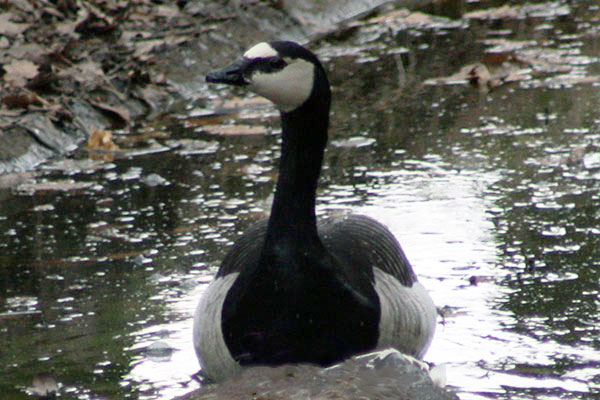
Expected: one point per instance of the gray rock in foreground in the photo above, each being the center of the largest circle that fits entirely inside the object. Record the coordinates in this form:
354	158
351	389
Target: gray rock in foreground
385	374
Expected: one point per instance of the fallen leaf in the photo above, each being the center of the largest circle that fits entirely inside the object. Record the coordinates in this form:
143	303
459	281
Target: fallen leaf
92	21
67	28
18	72
235	129
166	11
143	48
101	139
9	28
391	16
464	75
88	68
496	58
88	73
479	75
24	5
485	76
419	18
505	11
540	10
27	51
245	102
20	99
405	17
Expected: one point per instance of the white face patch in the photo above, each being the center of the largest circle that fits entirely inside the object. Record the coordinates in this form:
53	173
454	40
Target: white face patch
261	50
288	88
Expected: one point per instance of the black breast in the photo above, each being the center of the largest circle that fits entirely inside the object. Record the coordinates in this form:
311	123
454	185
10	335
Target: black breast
296	304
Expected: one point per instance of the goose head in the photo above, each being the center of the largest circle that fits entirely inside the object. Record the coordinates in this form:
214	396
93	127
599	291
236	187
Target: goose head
284	72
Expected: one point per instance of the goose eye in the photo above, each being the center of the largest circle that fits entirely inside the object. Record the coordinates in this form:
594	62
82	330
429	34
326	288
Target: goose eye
276	63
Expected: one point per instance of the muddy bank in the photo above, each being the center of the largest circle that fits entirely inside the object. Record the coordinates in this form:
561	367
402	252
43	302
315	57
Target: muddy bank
70	67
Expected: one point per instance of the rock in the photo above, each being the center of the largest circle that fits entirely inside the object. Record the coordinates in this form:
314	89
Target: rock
385	374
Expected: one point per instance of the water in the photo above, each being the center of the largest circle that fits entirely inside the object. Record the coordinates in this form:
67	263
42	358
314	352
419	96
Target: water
494	195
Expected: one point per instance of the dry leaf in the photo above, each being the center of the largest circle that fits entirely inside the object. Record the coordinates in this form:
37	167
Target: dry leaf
27	51
391	16
540	10
92	21
67	28
464	75
23	5
476	74
505	11
9	28
143	48
101	140
235	129
419	18
88	73
18	72
93	68
20	99
405	17
167	11
245	102
486	76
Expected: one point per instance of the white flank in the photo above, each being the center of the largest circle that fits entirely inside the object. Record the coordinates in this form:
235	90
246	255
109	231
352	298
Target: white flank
261	50
408	315
212	352
288	88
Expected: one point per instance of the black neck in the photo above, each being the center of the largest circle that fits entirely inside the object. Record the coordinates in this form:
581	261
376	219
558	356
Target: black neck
304	136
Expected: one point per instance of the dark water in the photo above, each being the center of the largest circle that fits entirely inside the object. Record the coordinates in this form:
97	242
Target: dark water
493	193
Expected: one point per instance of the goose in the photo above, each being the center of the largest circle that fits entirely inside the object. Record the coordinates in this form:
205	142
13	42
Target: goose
293	289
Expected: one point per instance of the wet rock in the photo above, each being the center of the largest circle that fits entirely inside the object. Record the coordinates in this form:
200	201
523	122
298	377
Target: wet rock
31	139
44	386
154	180
159	351
385	374
355	141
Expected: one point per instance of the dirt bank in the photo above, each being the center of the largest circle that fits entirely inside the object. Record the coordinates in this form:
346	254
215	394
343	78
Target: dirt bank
70	67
